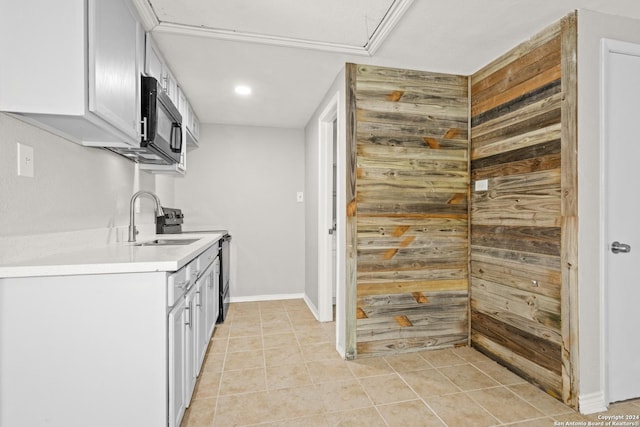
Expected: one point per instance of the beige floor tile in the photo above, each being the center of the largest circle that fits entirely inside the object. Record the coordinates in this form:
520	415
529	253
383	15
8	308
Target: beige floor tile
200	413
309	336
460	410
541	400
275	317
505	405
207	385
368	367
274	305
283	356
442	358
407	362
356	418
221	331
244	360
284	376
214	362
413	413
245	381
245	331
499	373
387	389
271	328
573	417
243	409
303	382
344	395
244	344
280	339
467	377
219	345
295	304
623	408
322	351
538	422
323	371
430	382
296	402
300	321
470	354
313	421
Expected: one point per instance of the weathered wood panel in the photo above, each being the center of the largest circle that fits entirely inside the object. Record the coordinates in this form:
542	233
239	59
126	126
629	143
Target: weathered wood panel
411	198
520	107
569	241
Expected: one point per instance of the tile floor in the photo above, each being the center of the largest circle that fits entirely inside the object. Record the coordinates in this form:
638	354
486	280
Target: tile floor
272	364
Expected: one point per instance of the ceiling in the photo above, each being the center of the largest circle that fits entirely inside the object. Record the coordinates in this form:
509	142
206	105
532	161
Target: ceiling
290	51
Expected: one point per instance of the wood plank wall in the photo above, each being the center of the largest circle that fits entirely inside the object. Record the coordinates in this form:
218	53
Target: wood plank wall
518	226
409	214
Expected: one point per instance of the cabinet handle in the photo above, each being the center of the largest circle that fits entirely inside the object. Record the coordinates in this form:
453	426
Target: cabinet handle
188	322
144	128
199	303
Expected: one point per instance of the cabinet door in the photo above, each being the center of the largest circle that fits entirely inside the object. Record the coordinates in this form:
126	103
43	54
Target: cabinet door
201	327
114	77
171	85
212	306
189	345
177	383
153	63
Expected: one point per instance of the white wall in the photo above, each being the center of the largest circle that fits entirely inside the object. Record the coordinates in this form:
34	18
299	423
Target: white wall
74	187
592	27
245	179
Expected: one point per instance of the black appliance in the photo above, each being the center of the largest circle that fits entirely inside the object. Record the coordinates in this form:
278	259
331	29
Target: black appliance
170	222
161	141
225	246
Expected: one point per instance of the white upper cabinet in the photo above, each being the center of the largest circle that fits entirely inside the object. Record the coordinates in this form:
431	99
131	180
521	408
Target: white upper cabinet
74	68
114	78
190	121
155	66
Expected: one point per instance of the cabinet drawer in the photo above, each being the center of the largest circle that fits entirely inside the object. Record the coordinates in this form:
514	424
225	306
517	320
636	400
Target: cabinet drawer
177	284
206	258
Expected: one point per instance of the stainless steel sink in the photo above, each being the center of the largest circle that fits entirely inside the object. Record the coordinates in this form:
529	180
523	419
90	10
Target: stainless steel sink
167	242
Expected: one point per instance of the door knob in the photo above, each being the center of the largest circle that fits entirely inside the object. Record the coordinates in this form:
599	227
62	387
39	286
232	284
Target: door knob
620	248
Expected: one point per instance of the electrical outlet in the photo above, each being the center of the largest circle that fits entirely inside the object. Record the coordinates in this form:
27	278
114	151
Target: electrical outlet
300	196
482	185
25	160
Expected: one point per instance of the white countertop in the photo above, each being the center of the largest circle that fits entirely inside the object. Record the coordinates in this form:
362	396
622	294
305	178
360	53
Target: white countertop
74	258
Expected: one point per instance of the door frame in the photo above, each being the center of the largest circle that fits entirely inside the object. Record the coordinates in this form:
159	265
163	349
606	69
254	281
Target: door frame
331	113
608	47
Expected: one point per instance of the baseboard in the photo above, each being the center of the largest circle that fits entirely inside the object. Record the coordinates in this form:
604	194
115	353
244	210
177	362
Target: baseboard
592	403
266	297
312	308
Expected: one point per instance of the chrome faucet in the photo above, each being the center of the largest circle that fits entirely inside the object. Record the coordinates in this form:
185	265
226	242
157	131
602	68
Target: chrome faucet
132	217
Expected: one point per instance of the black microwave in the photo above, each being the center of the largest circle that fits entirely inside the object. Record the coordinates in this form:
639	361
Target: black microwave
161	124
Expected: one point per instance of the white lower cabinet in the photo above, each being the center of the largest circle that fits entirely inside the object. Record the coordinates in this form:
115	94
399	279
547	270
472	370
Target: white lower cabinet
191	325
177	380
190	343
104	349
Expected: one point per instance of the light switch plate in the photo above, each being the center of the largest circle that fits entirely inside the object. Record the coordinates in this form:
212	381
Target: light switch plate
482	185
25	160
300	196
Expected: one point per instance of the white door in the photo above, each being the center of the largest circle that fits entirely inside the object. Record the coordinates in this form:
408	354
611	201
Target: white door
622	208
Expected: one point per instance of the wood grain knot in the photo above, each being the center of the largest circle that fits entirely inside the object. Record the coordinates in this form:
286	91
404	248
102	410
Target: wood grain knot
395	96
403	321
360	314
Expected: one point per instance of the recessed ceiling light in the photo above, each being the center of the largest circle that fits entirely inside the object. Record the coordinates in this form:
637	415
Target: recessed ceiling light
243	90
